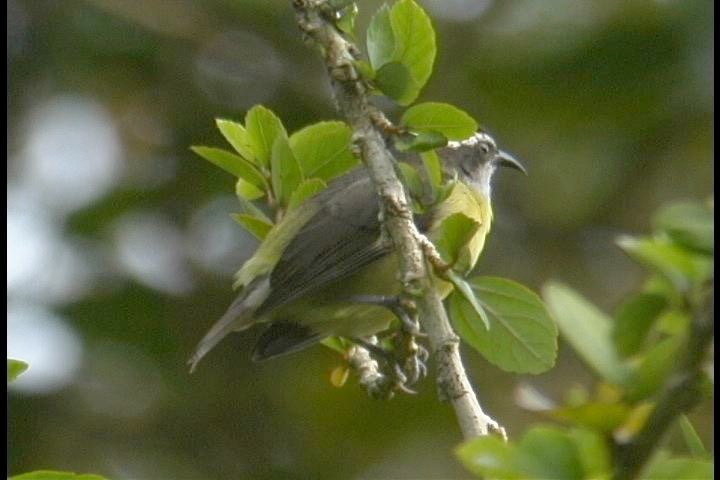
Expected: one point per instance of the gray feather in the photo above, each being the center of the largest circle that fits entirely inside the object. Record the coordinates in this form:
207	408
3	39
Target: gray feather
238	317
281	338
335	243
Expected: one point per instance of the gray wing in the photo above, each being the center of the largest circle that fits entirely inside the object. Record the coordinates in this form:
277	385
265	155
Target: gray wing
337	241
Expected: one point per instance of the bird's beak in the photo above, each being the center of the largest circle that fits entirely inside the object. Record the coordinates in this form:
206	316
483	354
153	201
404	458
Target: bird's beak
504	159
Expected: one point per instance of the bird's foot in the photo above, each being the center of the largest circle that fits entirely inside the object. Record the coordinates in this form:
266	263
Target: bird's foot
412	355
404	365
405	361
390	376
403	308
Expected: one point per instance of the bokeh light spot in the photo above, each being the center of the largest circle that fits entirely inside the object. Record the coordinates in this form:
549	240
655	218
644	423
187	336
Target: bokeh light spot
47	343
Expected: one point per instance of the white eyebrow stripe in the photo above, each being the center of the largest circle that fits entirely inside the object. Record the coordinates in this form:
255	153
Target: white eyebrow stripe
478	137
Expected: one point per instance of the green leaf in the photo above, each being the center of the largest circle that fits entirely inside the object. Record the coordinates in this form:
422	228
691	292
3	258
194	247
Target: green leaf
543	453
247	191
305	190
444	118
548	453
464	289
488	457
633	321
15	368
587	330
420	142
673	322
522	337
248	207
650	375
682	267
466	312
238	137
51	475
347	16
365	69
257	227
323	150
431	160
444	191
454	234
600	416
380	38
414	40
263	127
592	452
679	468
285	170
339	344
233	164
690	224
660	285
692	439
394	80
411	179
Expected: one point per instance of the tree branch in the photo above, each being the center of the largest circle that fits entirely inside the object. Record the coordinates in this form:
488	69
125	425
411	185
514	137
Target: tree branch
683	391
314	17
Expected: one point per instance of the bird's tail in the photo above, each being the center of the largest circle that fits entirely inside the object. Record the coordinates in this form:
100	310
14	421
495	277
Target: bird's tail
238	317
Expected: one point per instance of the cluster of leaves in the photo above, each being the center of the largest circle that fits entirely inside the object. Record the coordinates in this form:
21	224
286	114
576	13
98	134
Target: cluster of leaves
503	320
401	51
284	170
287	170
634	354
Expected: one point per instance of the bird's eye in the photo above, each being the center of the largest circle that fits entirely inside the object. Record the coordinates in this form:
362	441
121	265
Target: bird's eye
484	147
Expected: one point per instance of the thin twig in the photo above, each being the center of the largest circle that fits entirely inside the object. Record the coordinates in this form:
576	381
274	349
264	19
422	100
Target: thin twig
314	19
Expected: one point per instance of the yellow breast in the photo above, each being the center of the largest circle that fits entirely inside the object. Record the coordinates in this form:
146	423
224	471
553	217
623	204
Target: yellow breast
464	199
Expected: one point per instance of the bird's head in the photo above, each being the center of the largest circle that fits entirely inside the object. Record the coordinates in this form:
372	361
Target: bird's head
474	161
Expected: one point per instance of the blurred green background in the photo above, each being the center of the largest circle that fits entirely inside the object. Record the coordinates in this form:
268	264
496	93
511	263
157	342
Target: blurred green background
121	250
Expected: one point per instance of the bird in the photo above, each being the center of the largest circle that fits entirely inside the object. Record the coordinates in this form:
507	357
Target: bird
313	274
